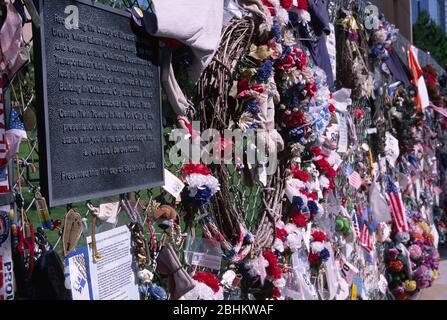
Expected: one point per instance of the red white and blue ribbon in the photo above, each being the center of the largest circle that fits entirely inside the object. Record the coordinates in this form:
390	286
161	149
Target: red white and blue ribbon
4	183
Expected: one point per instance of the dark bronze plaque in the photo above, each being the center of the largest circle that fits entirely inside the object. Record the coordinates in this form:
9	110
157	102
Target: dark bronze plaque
99	110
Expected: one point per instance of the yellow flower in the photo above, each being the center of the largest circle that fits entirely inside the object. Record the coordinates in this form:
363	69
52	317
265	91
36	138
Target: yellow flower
410	286
424	226
260	53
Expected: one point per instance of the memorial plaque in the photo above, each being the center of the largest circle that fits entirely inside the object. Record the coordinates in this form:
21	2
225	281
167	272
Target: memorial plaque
100	128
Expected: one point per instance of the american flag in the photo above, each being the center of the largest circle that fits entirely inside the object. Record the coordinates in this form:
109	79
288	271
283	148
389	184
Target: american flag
397	207
365	239
4	184
355	180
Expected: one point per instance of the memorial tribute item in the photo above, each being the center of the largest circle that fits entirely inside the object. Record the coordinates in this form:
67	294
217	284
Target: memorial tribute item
99	100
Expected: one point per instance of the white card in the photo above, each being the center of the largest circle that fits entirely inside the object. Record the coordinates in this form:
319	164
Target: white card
173	185
343	134
391	149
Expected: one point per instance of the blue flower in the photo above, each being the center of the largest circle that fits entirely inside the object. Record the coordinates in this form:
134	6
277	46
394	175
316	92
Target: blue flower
298	202
293	17
285	51
297	134
264	72
324	255
251	106
202	197
276	30
313	208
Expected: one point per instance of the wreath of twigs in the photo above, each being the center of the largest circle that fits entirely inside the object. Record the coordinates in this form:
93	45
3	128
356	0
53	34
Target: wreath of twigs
212	97
216	110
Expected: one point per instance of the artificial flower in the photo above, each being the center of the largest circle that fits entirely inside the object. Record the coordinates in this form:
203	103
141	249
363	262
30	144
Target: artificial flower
191	168
396	266
319	236
299	220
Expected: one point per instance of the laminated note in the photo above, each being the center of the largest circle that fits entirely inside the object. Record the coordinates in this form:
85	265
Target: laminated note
343	133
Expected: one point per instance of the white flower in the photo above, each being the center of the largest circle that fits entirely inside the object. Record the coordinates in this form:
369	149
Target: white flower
197	181
278	245
145	276
289	38
304	15
280	225
317	246
291	228
324	182
294	241
280	283
202	292
282	16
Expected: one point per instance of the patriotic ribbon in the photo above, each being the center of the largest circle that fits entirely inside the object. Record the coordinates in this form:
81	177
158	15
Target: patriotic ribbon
4	183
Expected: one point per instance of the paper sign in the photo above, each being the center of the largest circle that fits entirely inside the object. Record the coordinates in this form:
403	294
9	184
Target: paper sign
6	264
173	185
348	271
76	265
343	133
112	276
391	149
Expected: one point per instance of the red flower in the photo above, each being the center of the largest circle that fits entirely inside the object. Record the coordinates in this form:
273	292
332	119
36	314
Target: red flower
300	59
244	88
396	266
286	4
331	184
314	259
316	151
243	84
191	168
209	279
269	6
286	63
273	270
276	293
303	4
313	196
331	108
331	173
299	220
323	164
319	236
311	89
300	174
281	234
358	113
293	119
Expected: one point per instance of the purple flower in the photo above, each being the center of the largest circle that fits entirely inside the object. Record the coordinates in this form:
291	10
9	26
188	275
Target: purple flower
393	253
353	36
